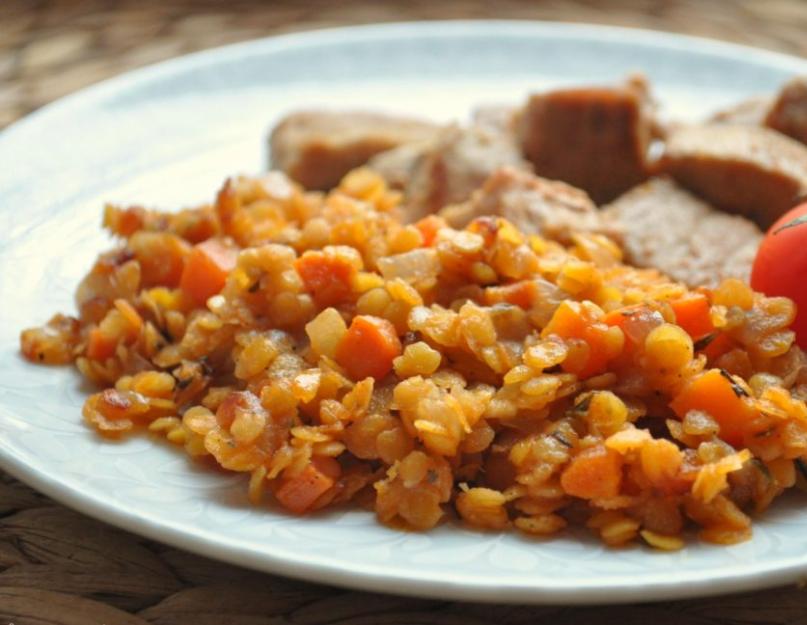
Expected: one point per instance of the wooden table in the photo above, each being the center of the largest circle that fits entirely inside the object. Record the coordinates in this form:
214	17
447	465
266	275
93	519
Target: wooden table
55	564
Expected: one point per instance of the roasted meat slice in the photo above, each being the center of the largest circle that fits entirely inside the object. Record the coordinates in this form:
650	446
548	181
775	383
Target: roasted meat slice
317	148
454	166
535	205
596	139
749	170
666	227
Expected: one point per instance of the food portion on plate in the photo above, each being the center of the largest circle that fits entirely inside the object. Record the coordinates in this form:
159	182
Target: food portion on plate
785	112
538	319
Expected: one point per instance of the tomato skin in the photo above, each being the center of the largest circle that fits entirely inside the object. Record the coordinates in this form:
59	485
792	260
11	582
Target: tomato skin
780	267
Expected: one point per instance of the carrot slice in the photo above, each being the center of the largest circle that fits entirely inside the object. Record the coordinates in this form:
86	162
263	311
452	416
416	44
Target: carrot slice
126	221
692	314
328	278
715	393
577	323
300	492
429	227
228	203
595	473
206	269
719	345
100	346
368	348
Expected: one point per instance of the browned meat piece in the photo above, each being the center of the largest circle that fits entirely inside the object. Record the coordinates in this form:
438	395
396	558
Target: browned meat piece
396	165
596	139
788	114
498	118
752	112
458	162
317	148
535	205
748	170
668	228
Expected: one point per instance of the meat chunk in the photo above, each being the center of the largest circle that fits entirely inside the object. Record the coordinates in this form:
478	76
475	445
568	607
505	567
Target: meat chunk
535	205
396	165
498	118
788	113
752	112
317	148
596	139
491	125
748	170
454	166
785	113
667	228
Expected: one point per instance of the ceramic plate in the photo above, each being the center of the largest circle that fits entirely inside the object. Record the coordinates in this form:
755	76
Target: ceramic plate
168	135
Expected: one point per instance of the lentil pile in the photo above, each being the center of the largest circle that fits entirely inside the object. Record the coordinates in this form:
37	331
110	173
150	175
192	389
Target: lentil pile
335	354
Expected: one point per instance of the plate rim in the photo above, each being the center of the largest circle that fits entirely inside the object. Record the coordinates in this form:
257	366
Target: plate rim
450	27
367	577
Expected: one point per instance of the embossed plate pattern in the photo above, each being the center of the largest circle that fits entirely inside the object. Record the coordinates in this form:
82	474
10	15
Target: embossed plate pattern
167	136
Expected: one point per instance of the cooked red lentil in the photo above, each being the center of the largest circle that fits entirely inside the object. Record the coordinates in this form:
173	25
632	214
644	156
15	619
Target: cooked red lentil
333	354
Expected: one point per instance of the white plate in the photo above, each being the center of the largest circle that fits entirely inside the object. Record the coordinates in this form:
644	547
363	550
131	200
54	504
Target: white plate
168	135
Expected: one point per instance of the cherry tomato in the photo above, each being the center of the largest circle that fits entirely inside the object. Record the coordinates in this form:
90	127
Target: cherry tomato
780	267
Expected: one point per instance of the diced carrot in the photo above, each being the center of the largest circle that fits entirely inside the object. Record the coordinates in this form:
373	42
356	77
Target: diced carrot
100	346
595	473
328	466
714	392
721	344
567	321
300	492
522	294
429	226
573	320
130	220
368	348
602	350
617	318
692	314
228	203
206	269
328	278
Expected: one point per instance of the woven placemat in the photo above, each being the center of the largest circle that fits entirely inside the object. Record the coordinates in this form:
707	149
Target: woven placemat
58	567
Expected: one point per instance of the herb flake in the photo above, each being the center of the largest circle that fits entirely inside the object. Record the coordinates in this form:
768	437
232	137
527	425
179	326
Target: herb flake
739	391
561	439
703	342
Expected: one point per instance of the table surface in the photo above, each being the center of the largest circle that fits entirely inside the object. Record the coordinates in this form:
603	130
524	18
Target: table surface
54	564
